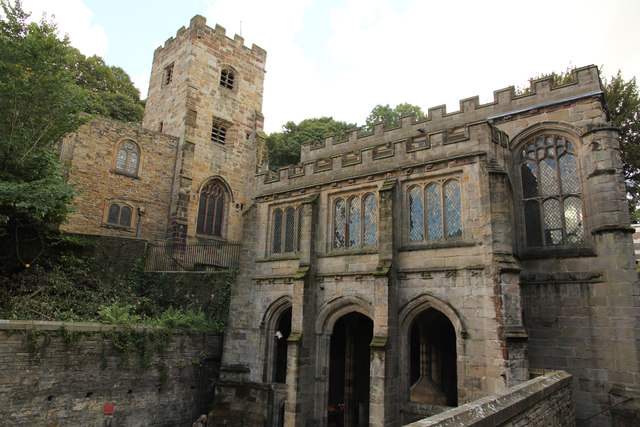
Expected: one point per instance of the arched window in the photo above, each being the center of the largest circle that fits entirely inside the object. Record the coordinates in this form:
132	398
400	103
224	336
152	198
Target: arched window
119	214
128	158
287	231
212	209
552	207
436	213
355	222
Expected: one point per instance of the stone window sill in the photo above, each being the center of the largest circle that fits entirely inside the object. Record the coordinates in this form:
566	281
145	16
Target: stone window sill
438	244
557	252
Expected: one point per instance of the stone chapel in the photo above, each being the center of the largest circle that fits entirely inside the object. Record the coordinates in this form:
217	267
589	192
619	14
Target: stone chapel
393	274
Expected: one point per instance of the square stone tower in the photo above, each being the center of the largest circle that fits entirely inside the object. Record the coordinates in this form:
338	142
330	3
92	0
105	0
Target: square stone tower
206	89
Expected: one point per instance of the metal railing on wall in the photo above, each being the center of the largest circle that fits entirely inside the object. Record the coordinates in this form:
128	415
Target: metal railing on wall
200	256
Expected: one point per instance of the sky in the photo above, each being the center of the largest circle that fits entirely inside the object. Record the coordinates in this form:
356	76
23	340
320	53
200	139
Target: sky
341	58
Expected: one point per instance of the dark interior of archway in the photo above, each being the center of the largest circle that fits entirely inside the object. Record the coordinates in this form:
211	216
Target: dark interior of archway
349	371
284	327
433	359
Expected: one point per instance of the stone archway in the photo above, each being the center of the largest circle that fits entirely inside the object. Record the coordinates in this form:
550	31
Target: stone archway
349	376
433	359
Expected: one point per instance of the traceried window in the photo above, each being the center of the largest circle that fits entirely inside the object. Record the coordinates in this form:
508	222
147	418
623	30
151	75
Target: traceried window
435	211
227	77
212	209
551	192
218	133
287	223
128	157
355	222
119	214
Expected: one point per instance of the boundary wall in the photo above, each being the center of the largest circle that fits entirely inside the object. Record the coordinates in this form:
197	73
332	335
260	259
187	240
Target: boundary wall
80	375
542	401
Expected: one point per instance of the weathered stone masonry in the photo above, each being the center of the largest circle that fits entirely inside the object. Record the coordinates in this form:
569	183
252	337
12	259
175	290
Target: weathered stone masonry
393	275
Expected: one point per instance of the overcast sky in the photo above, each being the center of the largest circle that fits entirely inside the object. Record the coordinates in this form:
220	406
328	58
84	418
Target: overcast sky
340	58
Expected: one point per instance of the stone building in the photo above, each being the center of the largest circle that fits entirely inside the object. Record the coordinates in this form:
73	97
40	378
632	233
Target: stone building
390	275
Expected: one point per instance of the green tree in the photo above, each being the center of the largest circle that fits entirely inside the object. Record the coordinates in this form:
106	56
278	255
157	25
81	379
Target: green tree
284	147
623	103
112	91
384	113
39	103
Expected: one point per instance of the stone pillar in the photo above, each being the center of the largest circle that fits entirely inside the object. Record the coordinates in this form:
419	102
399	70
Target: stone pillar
300	366
382	405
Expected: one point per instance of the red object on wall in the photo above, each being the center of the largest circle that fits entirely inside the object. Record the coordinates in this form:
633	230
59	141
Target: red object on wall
108	408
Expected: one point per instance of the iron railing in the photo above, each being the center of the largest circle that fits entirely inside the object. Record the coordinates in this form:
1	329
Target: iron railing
201	256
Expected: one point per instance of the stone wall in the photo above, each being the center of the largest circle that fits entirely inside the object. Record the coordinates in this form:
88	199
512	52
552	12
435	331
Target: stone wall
189	103
542	401
92	152
91	383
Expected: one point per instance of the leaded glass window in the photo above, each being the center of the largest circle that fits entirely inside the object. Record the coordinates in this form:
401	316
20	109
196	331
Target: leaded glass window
551	192
128	157
119	214
286	230
212	209
416	215
355	222
370	220
435	211
277	231
339	223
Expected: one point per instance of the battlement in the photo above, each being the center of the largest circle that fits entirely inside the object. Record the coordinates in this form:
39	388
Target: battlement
198	27
506	102
439	139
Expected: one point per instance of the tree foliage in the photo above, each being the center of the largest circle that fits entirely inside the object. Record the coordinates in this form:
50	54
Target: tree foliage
112	92
284	147
39	103
384	113
623	102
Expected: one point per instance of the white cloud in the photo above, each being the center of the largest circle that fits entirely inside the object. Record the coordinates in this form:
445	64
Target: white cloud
74	19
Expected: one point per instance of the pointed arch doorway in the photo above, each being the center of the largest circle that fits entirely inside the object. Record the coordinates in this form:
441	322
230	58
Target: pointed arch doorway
349	376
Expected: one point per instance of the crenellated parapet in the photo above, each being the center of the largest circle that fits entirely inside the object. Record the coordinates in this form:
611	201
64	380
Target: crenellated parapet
441	135
198	27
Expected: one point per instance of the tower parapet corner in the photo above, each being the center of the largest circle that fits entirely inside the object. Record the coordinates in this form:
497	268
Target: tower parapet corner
198	21
221	31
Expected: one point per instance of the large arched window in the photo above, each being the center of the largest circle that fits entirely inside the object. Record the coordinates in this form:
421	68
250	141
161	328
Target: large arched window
128	158
435	211
551	200
212	209
355	222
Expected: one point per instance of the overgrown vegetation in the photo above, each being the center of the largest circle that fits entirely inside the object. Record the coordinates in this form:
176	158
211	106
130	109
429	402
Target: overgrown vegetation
66	287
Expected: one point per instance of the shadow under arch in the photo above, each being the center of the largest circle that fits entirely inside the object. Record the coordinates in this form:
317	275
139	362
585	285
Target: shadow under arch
432	344
275	346
341	307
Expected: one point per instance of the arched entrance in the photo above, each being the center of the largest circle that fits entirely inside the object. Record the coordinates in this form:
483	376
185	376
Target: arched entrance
433	359
283	329
349	375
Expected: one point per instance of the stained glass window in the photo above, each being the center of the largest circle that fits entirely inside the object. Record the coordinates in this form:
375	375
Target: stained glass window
299	228
551	193
277	231
286	229
128	157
